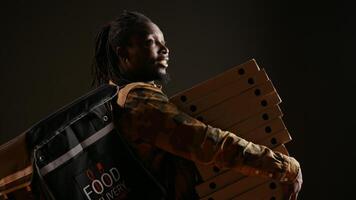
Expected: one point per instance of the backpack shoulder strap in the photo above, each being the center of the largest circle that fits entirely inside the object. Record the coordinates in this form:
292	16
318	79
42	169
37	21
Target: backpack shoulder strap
123	92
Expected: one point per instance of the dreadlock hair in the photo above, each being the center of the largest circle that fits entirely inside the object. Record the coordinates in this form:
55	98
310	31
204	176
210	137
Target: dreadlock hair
116	33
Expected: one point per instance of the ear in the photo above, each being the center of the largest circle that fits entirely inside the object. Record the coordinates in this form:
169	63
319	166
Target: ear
121	53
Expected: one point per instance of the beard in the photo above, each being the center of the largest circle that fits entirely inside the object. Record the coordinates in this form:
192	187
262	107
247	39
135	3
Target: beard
148	73
164	78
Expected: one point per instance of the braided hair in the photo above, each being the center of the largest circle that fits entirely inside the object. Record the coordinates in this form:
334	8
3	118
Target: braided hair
116	33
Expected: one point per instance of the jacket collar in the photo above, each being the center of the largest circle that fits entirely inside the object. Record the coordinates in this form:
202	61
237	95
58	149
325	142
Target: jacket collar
123	82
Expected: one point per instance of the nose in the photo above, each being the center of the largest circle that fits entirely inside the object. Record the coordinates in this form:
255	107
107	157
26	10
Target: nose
164	49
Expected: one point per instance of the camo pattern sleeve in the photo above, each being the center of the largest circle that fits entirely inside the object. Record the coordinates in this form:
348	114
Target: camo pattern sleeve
151	118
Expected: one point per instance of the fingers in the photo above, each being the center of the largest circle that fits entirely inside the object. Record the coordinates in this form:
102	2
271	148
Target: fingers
287	193
294	196
291	190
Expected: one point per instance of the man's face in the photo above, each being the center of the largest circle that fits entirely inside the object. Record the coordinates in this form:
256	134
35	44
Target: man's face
147	55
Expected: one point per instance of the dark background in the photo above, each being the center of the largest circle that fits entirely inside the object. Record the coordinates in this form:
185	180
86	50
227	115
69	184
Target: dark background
307	48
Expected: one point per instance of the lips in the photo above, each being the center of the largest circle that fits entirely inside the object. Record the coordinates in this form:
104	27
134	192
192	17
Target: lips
163	61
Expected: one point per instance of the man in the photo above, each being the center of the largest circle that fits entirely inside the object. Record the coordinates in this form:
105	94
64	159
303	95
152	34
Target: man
131	52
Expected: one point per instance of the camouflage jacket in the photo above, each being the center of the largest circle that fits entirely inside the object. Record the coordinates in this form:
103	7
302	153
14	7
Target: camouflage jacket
168	140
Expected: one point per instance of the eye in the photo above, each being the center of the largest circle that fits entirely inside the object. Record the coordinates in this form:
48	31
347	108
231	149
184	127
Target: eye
149	42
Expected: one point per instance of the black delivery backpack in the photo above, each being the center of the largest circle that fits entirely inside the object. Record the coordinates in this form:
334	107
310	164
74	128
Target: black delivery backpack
79	155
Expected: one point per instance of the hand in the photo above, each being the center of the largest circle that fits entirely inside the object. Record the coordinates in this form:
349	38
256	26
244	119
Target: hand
291	190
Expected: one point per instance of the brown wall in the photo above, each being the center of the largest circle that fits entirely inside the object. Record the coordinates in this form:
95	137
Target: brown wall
307	49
